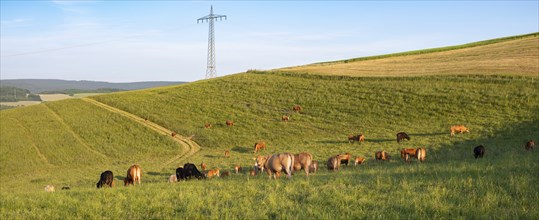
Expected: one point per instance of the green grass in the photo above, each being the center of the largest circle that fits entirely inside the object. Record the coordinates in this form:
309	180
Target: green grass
79	140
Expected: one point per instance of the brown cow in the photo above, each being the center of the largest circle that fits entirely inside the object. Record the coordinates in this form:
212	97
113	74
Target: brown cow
276	163
237	169
211	173
225	174
303	161
173	134
285	118
207	125
530	145
297	108
421	154
173	178
252	173
227	153
359	160
382	155
334	162
133	175
203	165
359	138
314	166
229	123
406	153
260	145
345	158
459	129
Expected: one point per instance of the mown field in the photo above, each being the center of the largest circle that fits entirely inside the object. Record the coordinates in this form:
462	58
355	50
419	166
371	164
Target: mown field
501	110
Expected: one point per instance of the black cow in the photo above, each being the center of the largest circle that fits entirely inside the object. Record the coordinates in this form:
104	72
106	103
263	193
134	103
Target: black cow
401	136
107	178
479	151
188	171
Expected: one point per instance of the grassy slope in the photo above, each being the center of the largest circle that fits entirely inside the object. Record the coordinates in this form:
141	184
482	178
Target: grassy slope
513	55
502	112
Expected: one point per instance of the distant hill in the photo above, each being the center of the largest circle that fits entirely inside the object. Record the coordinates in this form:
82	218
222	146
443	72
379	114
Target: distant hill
14	94
45	85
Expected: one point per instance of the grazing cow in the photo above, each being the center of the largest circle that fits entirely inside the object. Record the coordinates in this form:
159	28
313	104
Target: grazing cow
314	166
237	169
133	175
359	138
285	118
225	174
203	165
401	136
229	123
479	151
106	178
530	145
260	145
207	125
252	173
212	173
172	179
297	108
458	129
382	155
49	188
188	171
359	160
66	188
227	153
173	134
303	161
406	153
421	154
276	163
345	158
334	162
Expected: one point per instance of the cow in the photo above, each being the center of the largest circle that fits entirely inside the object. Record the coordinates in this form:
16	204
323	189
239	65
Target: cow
334	163
49	188
297	108
227	153
66	188
173	134
237	169
303	161
252	173
106	178
359	138
401	136
345	158
421	154
259	146
203	166
225	174
314	166
212	173
276	163
479	151
133	175
359	160
188	171
406	153
207	125
530	145
382	155
229	123
458	129
285	118
173	178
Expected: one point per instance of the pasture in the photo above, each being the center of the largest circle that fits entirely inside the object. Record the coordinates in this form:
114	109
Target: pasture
70	142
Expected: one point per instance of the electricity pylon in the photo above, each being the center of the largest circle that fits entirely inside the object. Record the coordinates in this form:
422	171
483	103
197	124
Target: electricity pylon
210	71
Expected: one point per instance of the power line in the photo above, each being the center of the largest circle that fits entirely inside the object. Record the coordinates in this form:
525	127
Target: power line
210	71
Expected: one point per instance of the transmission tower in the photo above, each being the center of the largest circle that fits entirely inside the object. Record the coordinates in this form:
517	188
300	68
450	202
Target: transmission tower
210	71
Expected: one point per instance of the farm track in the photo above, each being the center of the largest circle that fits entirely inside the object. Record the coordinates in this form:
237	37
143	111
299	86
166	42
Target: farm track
75	135
190	147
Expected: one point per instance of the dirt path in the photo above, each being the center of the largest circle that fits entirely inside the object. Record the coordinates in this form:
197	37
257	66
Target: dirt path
189	147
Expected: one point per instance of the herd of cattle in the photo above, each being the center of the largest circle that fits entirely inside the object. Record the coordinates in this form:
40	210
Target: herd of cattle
275	164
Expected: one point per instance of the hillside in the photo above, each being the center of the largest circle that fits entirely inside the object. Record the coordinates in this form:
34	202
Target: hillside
516	55
14	94
45	85
71	142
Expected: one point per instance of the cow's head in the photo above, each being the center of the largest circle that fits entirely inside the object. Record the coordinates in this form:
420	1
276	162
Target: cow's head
260	161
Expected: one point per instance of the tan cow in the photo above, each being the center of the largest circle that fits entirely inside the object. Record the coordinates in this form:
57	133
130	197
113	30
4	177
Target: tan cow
252	173
421	154
276	163
382	155
303	161
285	118
49	188
237	169
345	158
297	108
133	175
229	123
172	178
207	125
203	166
406	153
260	145
458	129
314	166
334	162
212	173
359	160
227	153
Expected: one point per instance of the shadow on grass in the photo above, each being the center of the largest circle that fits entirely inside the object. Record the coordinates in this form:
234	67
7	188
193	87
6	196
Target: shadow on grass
429	134
241	149
380	140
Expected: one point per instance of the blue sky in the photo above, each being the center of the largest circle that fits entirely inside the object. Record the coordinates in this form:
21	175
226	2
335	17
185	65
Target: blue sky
127	41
